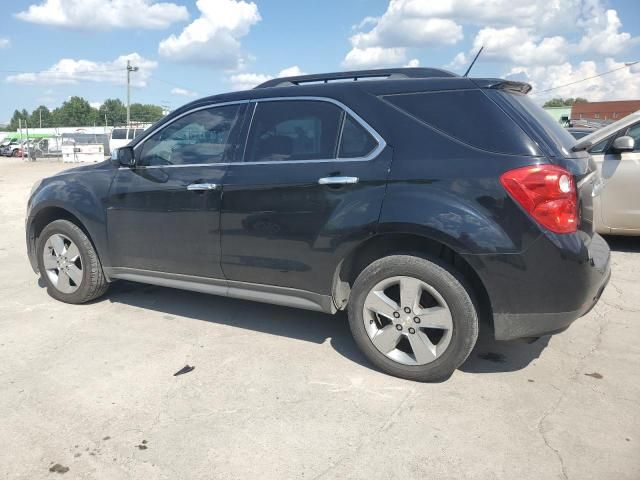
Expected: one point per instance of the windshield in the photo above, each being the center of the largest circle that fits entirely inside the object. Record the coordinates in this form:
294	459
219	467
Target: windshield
544	124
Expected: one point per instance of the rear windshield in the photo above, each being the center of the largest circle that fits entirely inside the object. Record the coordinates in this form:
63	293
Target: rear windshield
469	116
551	128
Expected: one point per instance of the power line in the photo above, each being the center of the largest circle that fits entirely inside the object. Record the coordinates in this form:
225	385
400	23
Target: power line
627	64
65	72
170	83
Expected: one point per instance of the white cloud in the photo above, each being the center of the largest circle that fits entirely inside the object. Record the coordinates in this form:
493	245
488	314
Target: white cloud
394	31
214	37
4	42
602	34
246	81
406	23
374	57
293	71
413	63
459	61
183	92
72	71
96	104
521	33
104	14
622	84
518	45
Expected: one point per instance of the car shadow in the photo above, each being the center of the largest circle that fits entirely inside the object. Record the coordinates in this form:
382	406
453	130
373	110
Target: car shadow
619	243
303	325
489	356
492	356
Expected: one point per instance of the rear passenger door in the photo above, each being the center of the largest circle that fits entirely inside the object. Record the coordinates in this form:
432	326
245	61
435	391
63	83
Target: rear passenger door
309	187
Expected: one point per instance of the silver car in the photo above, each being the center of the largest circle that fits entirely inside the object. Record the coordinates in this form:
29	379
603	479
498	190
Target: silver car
616	150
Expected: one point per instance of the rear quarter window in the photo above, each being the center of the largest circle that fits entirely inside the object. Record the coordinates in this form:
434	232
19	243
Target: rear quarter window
468	116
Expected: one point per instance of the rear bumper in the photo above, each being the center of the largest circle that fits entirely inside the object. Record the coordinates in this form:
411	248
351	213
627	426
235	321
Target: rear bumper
509	326
544	289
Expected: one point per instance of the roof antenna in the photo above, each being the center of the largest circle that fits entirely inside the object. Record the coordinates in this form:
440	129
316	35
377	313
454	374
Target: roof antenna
474	61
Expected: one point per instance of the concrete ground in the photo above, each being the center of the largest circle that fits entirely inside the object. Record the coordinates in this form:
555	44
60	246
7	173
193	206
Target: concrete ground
88	391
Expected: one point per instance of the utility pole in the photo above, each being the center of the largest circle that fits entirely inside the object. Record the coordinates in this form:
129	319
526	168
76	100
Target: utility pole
129	70
40	112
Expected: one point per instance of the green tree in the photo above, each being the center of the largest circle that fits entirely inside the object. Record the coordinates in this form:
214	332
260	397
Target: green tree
114	110
564	102
40	112
15	120
76	112
25	118
146	112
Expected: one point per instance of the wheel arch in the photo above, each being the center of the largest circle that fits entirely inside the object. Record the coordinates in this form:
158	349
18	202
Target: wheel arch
44	217
385	244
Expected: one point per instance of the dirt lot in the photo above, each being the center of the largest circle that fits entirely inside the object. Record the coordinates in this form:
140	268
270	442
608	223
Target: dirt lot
282	393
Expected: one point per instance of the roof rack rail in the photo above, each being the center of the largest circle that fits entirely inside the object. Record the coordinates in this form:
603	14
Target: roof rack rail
378	74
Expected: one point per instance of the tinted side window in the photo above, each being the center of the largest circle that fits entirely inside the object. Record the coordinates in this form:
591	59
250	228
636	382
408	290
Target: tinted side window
119	134
355	141
634	132
138	131
599	147
293	130
205	136
467	115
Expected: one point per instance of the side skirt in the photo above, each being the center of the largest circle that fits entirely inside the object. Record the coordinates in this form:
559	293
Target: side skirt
288	297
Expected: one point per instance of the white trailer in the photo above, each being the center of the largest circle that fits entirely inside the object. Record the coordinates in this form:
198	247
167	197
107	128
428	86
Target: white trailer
83	147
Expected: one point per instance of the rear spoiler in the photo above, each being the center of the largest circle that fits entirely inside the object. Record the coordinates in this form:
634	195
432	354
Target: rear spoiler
499	84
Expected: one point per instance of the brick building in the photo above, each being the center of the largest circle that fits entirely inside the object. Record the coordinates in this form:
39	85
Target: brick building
612	111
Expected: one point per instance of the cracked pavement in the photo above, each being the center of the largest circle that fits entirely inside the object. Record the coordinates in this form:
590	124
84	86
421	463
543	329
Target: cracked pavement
283	393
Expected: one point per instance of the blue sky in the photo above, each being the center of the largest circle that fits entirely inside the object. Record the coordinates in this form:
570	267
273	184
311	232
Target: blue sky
52	49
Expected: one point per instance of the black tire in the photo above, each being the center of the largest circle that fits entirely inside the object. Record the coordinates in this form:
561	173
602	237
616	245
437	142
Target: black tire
449	284
93	284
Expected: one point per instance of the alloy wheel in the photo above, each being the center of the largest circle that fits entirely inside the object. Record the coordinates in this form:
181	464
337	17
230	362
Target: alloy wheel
407	320
62	263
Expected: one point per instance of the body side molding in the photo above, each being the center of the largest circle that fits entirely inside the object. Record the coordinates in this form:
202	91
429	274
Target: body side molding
288	297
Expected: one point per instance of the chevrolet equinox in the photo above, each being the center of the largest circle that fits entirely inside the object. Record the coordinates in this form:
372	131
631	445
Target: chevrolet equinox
417	200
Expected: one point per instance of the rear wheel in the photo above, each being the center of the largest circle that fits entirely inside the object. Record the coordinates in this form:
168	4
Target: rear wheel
68	263
413	317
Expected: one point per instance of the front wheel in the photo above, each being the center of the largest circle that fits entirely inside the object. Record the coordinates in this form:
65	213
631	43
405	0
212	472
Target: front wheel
68	263
413	317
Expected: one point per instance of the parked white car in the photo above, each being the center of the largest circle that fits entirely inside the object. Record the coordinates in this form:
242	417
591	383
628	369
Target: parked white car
616	150
121	136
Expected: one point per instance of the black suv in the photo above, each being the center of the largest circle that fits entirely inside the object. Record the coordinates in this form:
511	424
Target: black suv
418	200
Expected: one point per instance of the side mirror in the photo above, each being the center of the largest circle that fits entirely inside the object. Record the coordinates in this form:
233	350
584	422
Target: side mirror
623	144
124	156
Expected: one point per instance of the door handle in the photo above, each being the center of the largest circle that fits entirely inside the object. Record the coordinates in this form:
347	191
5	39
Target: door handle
203	186
338	180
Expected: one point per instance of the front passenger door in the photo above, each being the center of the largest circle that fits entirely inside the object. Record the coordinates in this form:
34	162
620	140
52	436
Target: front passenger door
620	200
164	213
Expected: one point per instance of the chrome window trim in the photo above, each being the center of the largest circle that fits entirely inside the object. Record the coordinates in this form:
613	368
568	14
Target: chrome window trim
373	154
183	114
370	156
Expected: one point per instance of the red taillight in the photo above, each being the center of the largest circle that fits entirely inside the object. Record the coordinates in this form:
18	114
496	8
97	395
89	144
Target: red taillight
547	193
